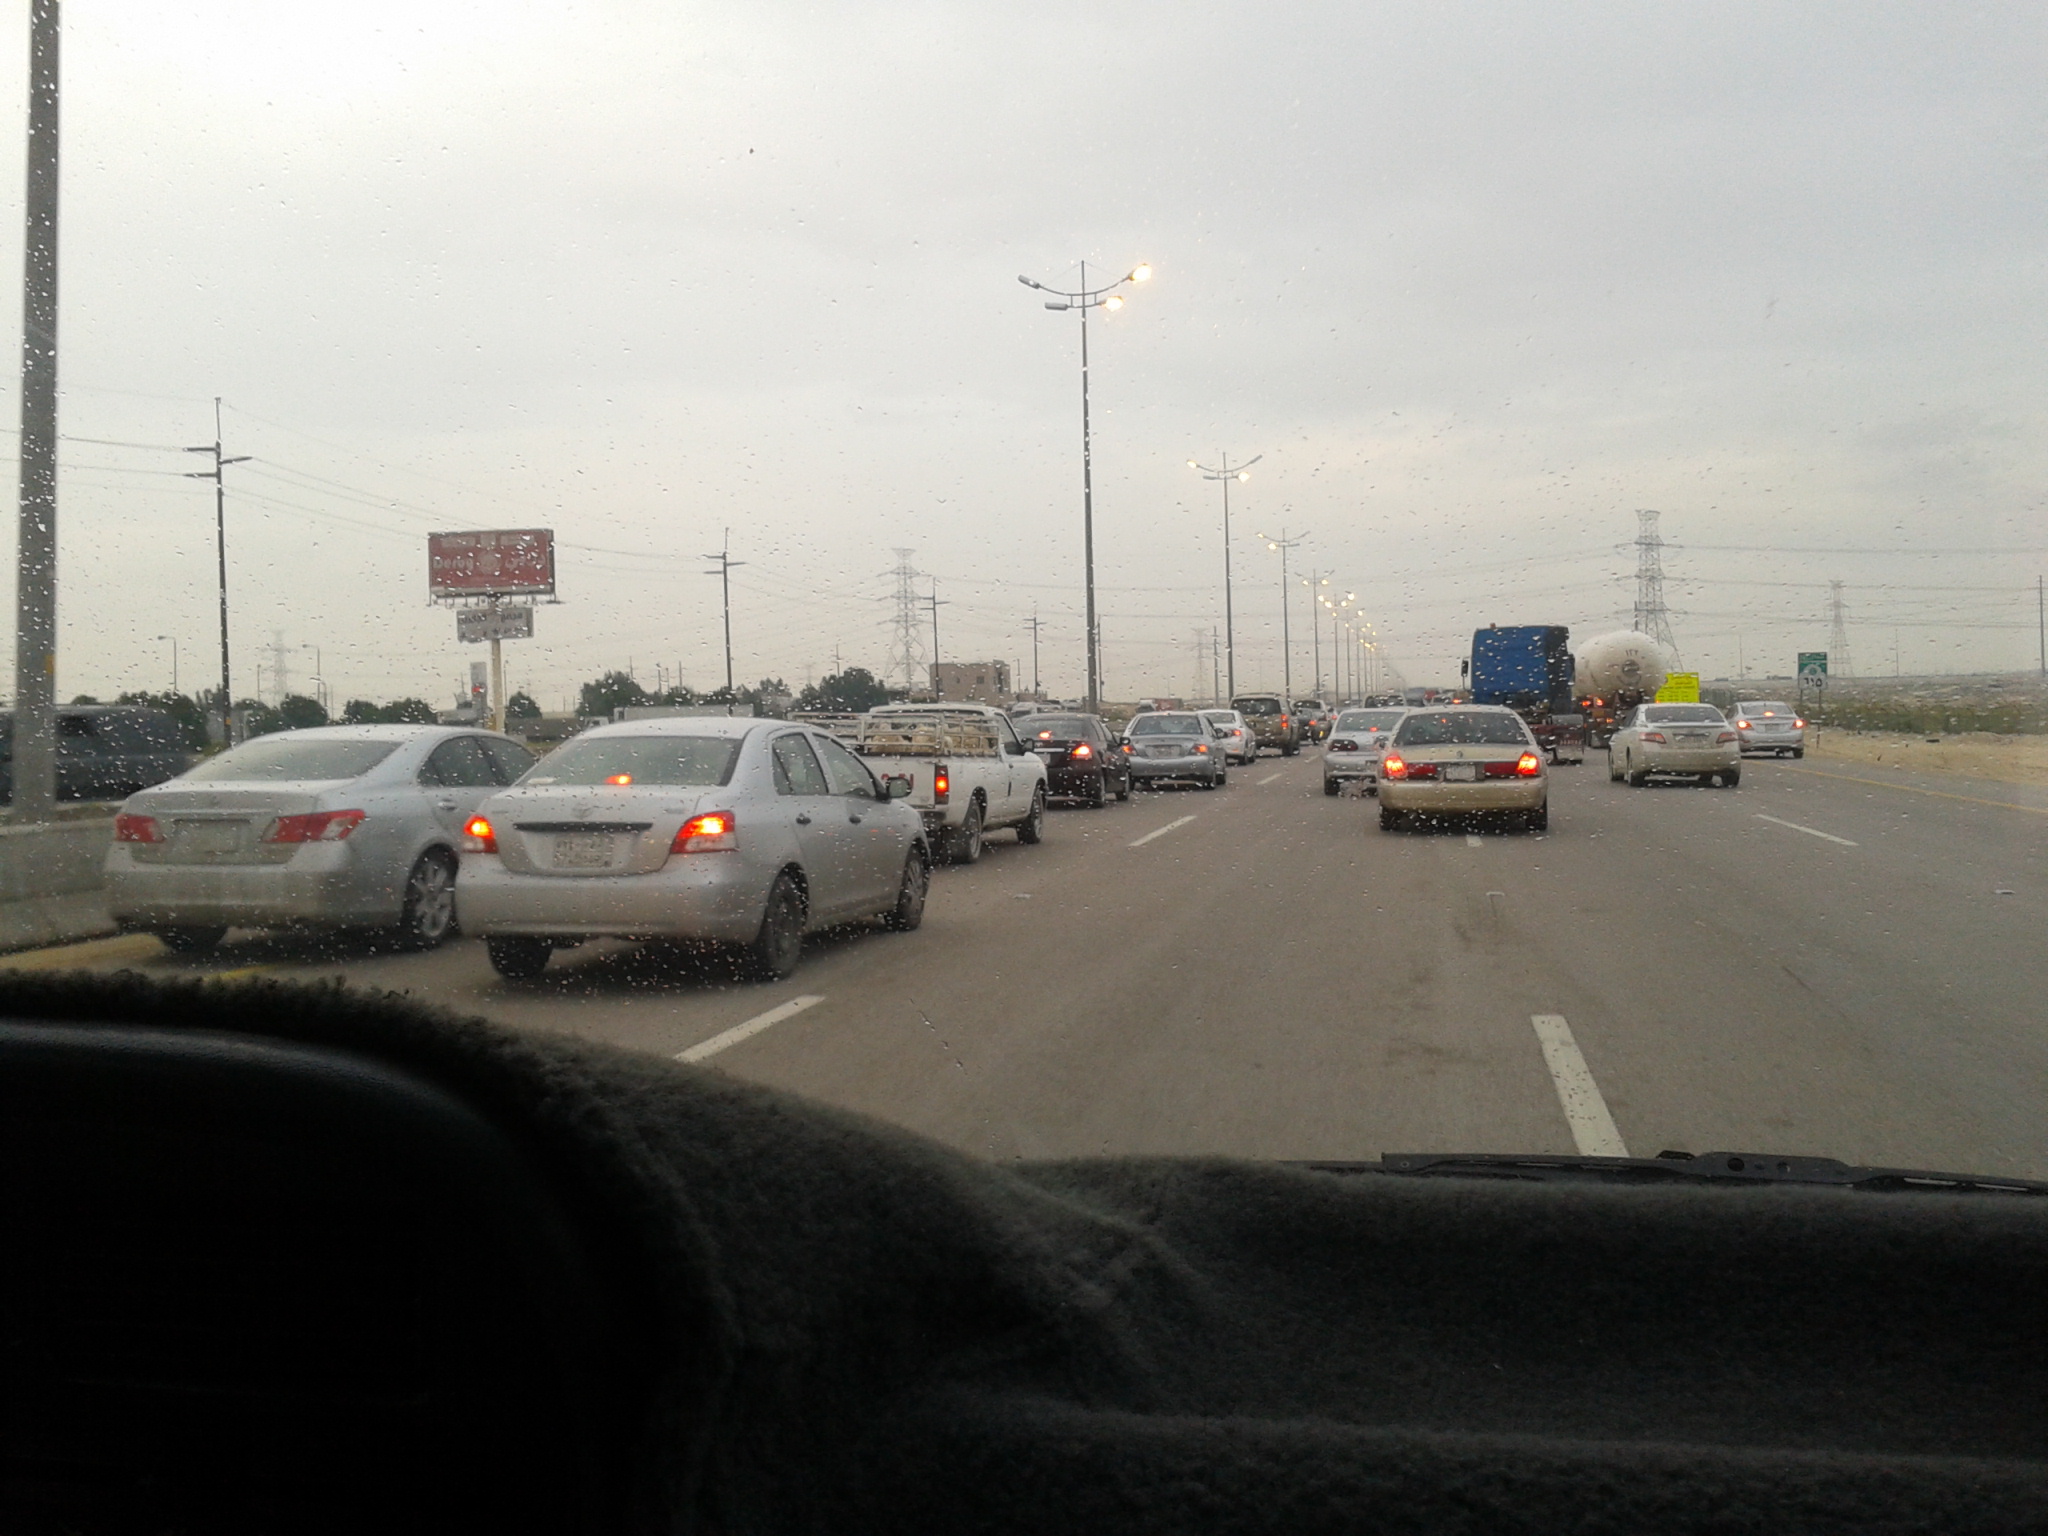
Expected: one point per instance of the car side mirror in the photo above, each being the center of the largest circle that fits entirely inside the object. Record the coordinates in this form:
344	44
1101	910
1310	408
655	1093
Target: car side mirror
896	787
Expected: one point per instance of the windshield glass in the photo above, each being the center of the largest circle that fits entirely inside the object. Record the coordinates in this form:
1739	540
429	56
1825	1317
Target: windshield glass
548	371
624	760
1461	728
294	758
1368	719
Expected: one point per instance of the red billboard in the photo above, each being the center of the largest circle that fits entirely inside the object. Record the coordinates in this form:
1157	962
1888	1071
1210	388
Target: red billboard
507	562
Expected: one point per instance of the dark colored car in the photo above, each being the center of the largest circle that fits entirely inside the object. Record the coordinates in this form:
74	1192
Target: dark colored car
104	751
1082	760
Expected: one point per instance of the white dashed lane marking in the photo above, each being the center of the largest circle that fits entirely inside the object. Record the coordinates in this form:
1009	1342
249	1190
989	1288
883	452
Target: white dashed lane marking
1594	1132
1269	778
1809	831
1161	831
748	1030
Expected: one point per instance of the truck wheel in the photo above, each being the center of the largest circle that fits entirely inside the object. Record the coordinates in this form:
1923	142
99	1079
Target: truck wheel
909	909
779	944
188	940
1032	828
518	959
965	845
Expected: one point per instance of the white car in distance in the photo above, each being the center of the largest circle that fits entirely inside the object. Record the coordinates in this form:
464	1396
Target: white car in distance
1358	740
1675	740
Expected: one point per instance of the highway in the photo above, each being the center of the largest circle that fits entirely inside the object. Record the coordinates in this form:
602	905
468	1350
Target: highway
1824	961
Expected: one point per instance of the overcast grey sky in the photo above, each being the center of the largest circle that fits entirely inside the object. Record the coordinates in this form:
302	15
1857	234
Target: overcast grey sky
1477	280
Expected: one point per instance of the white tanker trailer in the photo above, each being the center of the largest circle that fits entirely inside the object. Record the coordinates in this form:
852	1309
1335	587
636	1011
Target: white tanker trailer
1613	674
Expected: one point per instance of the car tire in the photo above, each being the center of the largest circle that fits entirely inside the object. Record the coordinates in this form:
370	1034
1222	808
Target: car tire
1613	768
908	911
1799	751
1537	820
1291	751
1331	786
967	840
187	939
1731	780
1098	792
1032	828
1222	778
518	959
1125	792
780	943
1391	820
428	917
1637	777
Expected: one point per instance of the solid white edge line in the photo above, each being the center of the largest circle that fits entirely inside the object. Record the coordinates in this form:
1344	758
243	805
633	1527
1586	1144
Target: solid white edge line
1594	1132
748	1030
1161	831
1809	831
1269	778
1472	840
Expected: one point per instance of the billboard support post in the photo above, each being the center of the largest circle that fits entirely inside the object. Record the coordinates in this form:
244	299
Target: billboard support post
485	568
497	674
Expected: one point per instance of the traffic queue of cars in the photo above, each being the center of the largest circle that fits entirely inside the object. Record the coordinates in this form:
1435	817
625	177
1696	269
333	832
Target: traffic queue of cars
748	833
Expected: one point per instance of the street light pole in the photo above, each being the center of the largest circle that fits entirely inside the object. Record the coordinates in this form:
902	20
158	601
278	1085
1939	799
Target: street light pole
1315	630
1283	544
220	546
1084	299
1224	474
174	659
726	565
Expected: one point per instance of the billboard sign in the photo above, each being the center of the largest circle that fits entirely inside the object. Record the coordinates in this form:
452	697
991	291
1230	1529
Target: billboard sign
505	562
512	621
1680	688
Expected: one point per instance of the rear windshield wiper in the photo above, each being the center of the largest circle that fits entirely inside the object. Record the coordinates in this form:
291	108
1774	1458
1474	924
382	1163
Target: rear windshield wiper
1680	1168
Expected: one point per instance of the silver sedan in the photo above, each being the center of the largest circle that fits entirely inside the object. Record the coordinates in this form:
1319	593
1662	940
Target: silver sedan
1171	744
725	831
1678	740
342	826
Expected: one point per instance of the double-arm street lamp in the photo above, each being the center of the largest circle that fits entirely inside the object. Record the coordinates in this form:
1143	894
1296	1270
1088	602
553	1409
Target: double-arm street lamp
1084	299
1224	475
1283	544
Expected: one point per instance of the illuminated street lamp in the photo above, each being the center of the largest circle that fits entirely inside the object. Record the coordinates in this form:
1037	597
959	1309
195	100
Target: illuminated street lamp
1084	299
1224	475
1283	544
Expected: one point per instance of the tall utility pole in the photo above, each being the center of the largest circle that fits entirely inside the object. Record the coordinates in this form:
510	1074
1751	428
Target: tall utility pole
1652	618
220	550
935	605
1035	626
1224	474
2041	622
1216	693
906	651
35	602
726	566
1838	633
1283	544
1313	580
1084	299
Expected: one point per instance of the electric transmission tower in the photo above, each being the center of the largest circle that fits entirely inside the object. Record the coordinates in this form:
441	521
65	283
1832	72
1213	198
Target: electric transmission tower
1838	633
1652	617
906	650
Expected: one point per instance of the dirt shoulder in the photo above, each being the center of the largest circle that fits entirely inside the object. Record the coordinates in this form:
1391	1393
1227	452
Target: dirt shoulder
1973	754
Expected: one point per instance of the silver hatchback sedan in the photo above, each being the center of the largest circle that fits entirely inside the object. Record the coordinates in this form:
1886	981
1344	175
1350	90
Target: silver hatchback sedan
340	826
726	831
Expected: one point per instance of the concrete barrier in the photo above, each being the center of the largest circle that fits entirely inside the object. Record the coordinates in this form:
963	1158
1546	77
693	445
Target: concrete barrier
50	881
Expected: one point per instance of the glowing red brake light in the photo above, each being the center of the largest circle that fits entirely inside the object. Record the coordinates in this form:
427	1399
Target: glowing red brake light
620	779
479	836
1084	750
137	829
314	827
1800	723
1743	725
942	784
1393	766
1528	765
710	833
1727	736
1653	735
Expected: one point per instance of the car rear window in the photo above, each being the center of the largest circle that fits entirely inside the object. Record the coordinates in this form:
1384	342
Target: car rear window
1054	727
700	760
1476	728
1757	711
1369	719
1256	706
1167	725
1683	714
282	757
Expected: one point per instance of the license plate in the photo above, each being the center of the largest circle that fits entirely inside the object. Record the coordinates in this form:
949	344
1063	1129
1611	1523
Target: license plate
1689	736
1163	752
1461	773
583	850
209	837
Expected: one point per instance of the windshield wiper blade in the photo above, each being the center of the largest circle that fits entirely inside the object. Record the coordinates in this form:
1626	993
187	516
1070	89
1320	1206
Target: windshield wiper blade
1682	1168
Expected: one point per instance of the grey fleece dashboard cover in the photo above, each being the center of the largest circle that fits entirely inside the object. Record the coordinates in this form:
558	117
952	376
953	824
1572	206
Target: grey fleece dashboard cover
846	1328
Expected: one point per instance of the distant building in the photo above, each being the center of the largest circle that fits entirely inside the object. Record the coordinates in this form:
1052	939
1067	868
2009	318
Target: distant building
973	682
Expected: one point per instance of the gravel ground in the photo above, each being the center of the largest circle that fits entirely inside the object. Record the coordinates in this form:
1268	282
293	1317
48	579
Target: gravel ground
1972	754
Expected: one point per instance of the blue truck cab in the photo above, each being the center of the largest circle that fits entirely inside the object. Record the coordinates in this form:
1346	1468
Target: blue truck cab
1528	668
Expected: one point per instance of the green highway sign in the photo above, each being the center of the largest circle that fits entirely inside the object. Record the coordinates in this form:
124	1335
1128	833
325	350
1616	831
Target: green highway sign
1813	664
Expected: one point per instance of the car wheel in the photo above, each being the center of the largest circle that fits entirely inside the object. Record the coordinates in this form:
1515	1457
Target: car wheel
1125	792
1330	786
518	959
1637	777
428	916
1291	751
1098	792
909	909
1390	819
1730	780
967	839
1032	828
187	940
1799	751
1613	768
774	952
1222	777
1537	820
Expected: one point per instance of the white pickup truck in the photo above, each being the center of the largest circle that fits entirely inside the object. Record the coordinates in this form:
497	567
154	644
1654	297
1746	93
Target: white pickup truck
969	773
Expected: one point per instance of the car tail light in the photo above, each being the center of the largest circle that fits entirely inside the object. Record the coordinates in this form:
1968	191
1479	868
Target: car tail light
1201	746
1283	722
1743	725
137	829
1084	750
1528	765
620	779
479	836
1127	748
313	827
1422	770
942	784
1653	735
1393	766
1798	722
1727	736
710	833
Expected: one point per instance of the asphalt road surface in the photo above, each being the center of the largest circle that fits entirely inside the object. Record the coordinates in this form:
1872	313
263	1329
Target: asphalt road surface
1828	961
